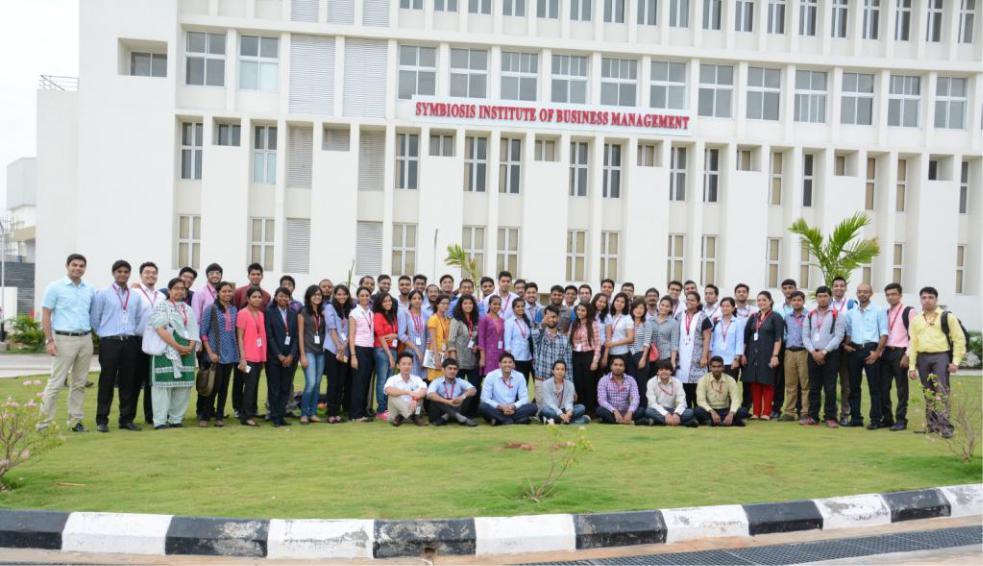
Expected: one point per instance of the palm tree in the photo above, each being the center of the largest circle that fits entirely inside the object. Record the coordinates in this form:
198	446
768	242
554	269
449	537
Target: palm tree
839	254
458	257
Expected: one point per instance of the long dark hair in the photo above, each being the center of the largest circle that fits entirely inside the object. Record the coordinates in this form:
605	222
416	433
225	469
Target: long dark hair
588	321
467	318
525	318
342	309
635	304
409	299
218	289
627	308
308	303
600	314
389	315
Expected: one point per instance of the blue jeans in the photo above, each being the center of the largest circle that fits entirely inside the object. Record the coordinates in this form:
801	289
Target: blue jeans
312	384
684	419
578	413
382	373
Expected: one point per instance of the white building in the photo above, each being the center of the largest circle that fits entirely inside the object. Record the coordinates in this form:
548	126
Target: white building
21	217
564	139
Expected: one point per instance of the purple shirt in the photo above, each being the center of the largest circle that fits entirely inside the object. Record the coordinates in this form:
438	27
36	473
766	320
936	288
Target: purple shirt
201	300
618	398
491	341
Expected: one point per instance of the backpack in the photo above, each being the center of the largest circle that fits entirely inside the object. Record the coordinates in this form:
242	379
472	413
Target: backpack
905	317
948	337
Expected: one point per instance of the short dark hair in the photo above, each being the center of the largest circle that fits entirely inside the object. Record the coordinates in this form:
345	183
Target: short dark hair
712	286
187	269
787	282
676	283
467	280
893	287
486	279
364	277
607	280
663	364
404	355
505	355
652	290
742	286
823	290
689	282
76	257
448	362
930	290
283	290
384	277
568	287
531	285
552	309
627	284
121	263
254	266
174	281
839	278
716	359
213	267
730	300
405	278
557	289
505	274
288	278
446	276
586	286
618	359
147	264
797	294
419	277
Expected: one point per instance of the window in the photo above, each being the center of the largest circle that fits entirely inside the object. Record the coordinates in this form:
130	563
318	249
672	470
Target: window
668	88
189	240
148	64
612	170
871	183
609	255
964	188
445	5
618	81
297	246
300	156
514	8
745	161
205	59
858	99
570	78
679	13
508	250
191	141
227	134
576	255
580	10
708	267
371	162
775	186
674	264
677	174
417	71
744	16
967	15
764	90
404	249
336	138
368	248
933	170
711	174
475	163
716	90
549	9
897	271
810	96
579	168
933	23
264	155
711	14
510	165
901	191
804	266
872	16
411	4
479	6
838	23
903	100
545	150
261	242
839	165
614	11
469	72
258	66
407	160
441	144
950	102
648	154
960	268
902	20
648	12
776	17
519	74
772	259
808	10
808	173
473	242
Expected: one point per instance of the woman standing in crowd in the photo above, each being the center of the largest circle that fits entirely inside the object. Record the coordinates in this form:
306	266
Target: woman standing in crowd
518	339
251	333
639	350
664	333
463	343
413	331
491	336
438	331
311	327
728	337
585	339
603	318
218	336
763	340
336	359
621	333
173	370
361	339
386	328
694	346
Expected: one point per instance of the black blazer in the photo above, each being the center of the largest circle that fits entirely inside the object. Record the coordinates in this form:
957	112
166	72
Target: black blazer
276	334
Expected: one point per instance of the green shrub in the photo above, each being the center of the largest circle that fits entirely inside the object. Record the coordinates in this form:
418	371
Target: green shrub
27	333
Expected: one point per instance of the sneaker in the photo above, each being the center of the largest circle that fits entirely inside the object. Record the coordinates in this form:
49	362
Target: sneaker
317	419
304	420
900	425
853	424
844	421
873	426
102	427
203	423
383	416
470	422
831	423
807	421
79	427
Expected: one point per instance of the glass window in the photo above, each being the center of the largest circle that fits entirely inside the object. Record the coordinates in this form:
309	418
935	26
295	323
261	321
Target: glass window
404	250
712	12
810	96
508	250
258	62
775	186
548	9
711	174
510	165
776	17
839	18
609	255
520	71
950	103
933	23
579	164
261	242
417	71
514	8
475	163
569	78
872	17
189	241
580	10
716	90
858	99
764	91
679	13
903	100
967	18
677	174
479	6
648	12
614	11
808	178
204	59
808	13
902	20
744	16
264	155
668	88
901	189
619	81
469	72
576	255
191	153
674	267
612	170
407	160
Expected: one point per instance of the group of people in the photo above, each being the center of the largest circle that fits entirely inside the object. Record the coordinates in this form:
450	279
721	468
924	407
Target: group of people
445	353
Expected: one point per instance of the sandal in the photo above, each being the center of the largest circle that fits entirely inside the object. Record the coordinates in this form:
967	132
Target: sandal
249	422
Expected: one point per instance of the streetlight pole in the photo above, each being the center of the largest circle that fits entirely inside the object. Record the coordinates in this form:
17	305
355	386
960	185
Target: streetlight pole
4	223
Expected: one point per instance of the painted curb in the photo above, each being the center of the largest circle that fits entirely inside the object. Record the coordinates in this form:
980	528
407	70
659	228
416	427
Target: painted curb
132	533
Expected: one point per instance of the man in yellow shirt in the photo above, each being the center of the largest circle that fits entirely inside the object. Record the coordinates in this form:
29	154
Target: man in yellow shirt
928	354
718	398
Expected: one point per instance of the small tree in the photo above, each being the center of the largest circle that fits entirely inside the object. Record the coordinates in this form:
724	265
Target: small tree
839	254
20	438
458	257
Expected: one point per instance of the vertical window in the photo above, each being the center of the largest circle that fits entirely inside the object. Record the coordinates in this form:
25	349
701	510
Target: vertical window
407	160
469	73
417	71
475	163
804	266
570	78
967	17
933	23
545	150
950	102
368	248
679	13
872	17
548	9
371	165
300	158
711	174
708	267
580	10
744	16
189	240
510	165
775	186
839	18
579	168
870	187
614	11
258	62
933	170
960	268
677	174
712	14
901	191
858	99
227	134
839	166
808	172
716	90
866	274
744	160
297	246
445	5
519	74
808	11
810	96
609	255
612	170
441	144
776	17
648	154
674	267
773	258
508	250
903	100
412	4
902	20
205	59
648	12
148	64
764	90
619	78
479	6
404	249
576	255
473	242
897	271
191	138
514	8
261	242
964	188
668	88
264	155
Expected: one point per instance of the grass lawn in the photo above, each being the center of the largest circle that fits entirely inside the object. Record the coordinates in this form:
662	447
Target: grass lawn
374	471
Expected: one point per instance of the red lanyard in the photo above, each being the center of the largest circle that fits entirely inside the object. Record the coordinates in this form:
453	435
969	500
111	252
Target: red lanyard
663	389
153	302
498	323
448	394
181	309
417	323
689	321
840	308
119	296
761	320
470	327
284	315
715	382
800	320
898	310
256	324
519	324
506	301
724	328
317	322
507	382
818	326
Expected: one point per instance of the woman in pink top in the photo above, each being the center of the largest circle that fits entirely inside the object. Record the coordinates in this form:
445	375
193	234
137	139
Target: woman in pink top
361	339
251	333
491	336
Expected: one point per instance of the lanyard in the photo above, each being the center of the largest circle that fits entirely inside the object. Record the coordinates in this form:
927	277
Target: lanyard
521	326
724	328
283	315
183	311
761	320
689	321
445	324
559	392
898	310
153	301
499	325
507	382
448	394
506	301
119	296
800	320
470	327
367	317
819	324
211	291
672	388
317	322
715	382
839	307
417	323
256	324
713	312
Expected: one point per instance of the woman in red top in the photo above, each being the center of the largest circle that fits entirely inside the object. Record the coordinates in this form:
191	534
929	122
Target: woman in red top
386	329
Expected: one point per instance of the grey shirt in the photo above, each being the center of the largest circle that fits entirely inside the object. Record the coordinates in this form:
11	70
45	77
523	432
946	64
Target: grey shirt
821	333
459	339
551	400
665	335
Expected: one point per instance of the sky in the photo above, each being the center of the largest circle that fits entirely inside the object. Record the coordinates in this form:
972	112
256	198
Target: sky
36	37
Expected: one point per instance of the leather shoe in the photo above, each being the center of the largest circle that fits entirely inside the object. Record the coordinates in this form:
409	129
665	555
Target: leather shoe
900	425
130	426
79	427
873	426
102	427
845	421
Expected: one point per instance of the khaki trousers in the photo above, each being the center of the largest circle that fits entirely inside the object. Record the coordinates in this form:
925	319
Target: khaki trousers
400	406
71	365
796	382
844	384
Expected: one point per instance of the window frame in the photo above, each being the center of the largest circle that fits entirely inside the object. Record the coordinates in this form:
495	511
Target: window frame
808	17
669	85
839	18
576	252
870	184
967	22
613	170
677	173
189	242
192	145
810	102
562	71
775	193
614	11
520	76
676	264
777	13
765	92
206	56
469	235
469	73
406	173
708	261
902	20
608	258
418	68
934	21
901	100
870	27
648	13
476	166
510	165
262	62
713	11
266	153
773	262
901	185
679	13
507	259
548	9
808	179
947	100
857	96
714	89
622	84
711	175
744	16
579	171
265	245
964	187
403	249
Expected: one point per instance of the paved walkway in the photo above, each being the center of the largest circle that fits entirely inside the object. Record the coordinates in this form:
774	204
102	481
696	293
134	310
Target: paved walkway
24	365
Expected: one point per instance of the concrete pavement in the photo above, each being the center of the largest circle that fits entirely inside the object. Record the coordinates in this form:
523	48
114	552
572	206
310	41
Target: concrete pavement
28	365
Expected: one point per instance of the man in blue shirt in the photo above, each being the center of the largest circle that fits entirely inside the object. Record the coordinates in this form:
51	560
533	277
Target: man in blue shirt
504	395
866	335
796	365
789	286
65	319
115	316
450	398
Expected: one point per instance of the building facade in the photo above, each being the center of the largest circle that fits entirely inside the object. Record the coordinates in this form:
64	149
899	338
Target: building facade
21	219
565	140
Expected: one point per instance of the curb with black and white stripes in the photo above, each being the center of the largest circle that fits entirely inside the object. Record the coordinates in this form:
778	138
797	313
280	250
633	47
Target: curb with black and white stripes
131	533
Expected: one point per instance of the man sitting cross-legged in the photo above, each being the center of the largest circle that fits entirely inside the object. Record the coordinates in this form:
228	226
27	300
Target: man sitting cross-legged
718	399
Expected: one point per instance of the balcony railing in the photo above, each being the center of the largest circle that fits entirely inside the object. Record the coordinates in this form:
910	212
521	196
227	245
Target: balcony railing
56	82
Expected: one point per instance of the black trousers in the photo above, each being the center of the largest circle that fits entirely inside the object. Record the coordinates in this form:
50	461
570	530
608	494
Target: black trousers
279	388
250	389
779	400
339	380
892	372
525	368
607	417
704	418
472	377
690	390
143	375
822	384
213	406
437	410
361	382
641	379
874	388
583	380
118	363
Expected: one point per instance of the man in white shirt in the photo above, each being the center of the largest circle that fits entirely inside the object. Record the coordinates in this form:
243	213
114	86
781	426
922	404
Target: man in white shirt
667	399
505	292
711	305
406	392
743	309
148	294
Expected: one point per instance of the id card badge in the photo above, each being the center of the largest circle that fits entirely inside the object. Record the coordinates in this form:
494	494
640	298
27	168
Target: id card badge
394	342
417	341
249	369
815	337
755	337
259	342
501	345
317	338
286	341
471	344
126	318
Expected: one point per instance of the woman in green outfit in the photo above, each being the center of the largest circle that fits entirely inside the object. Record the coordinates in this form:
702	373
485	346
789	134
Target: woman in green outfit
173	371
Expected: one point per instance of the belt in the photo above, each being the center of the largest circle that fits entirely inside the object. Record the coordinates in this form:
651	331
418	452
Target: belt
795	349
119	337
893	348
864	345
932	353
62	333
